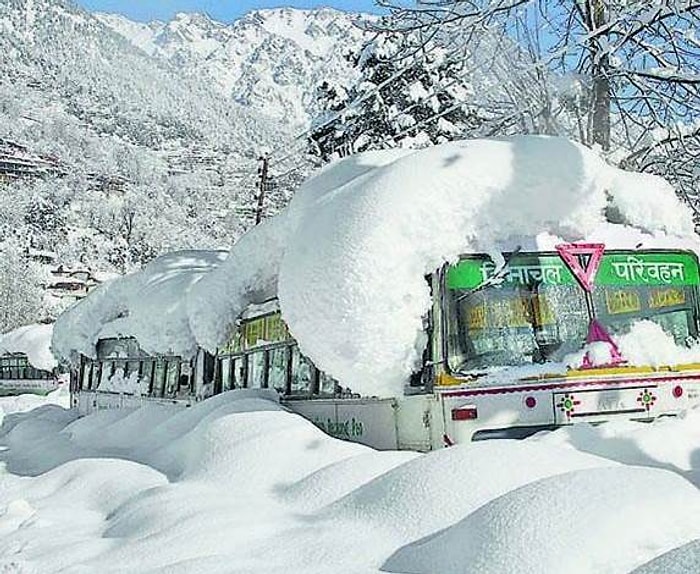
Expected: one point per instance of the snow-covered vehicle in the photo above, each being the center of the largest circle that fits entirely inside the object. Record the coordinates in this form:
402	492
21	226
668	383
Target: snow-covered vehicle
499	341
575	299
26	363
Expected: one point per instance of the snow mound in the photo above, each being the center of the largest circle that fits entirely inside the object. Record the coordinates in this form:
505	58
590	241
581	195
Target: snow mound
33	341
648	344
668	442
150	305
411	499
348	256
237	483
333	482
596	521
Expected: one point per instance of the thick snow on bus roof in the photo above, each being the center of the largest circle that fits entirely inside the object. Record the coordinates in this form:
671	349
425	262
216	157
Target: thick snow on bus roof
150	305
34	341
349	254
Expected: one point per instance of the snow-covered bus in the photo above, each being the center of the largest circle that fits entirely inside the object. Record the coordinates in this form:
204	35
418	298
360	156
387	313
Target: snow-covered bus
512	350
18	375
355	307
536	343
26	364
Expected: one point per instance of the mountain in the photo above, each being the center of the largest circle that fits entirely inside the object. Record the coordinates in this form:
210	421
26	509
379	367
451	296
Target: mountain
269	61
120	141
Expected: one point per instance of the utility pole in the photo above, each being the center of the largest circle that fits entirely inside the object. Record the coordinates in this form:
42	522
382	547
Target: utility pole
263	170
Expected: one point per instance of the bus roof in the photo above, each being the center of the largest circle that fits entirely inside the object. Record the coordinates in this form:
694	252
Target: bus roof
34	341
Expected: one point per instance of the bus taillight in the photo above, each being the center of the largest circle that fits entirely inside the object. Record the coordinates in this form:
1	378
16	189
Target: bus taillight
464	414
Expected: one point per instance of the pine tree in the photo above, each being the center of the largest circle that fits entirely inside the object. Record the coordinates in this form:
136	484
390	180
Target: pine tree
411	101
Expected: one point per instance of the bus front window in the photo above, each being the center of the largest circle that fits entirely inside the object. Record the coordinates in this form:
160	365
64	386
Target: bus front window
671	307
537	313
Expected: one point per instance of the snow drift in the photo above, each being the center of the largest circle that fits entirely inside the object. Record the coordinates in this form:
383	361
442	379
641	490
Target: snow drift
349	254
34	341
236	483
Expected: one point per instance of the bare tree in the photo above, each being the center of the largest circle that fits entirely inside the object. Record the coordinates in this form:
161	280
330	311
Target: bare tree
638	61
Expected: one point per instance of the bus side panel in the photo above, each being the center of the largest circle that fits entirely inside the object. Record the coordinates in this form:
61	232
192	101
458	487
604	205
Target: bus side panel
370	422
418	422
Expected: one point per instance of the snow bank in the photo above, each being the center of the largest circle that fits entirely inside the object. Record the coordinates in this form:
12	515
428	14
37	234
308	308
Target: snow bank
237	483
33	341
413	500
348	255
596	521
669	442
150	305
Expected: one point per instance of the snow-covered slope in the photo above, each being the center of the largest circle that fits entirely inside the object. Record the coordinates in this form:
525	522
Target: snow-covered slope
122	155
238	484
269	60
98	77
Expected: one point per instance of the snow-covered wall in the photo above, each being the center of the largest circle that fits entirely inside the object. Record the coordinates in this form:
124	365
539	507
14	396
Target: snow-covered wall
33	341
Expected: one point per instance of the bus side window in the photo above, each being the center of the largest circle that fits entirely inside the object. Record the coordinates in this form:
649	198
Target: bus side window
277	370
159	372
303	374
120	369
209	366
85	377
239	372
256	370
131	368
106	373
327	385
146	377
95	373
173	374
225	373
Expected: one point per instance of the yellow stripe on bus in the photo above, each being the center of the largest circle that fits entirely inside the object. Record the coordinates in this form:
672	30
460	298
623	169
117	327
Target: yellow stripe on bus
447	380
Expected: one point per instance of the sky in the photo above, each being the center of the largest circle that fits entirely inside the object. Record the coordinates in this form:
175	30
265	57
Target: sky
222	10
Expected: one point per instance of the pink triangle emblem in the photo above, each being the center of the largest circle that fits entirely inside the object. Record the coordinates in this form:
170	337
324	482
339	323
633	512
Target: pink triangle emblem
569	252
597	334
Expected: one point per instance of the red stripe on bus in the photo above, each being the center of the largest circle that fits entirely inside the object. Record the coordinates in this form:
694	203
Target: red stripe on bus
568	385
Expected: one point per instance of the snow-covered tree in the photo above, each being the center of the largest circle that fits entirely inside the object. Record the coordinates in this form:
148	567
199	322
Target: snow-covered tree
638	61
398	101
415	92
20	287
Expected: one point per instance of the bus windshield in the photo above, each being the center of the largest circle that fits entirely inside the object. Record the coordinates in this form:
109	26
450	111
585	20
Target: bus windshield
535	311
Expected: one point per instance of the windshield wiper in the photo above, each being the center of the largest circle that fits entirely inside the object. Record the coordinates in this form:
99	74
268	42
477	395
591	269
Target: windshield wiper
495	279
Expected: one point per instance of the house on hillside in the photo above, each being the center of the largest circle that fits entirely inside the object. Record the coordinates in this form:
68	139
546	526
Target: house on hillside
18	162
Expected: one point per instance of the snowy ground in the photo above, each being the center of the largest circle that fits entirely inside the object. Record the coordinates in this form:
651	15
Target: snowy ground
236	484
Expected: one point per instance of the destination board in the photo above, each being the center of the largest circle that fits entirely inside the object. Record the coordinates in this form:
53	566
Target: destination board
616	269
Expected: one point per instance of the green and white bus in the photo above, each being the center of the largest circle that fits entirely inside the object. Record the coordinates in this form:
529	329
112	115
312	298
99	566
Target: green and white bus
495	365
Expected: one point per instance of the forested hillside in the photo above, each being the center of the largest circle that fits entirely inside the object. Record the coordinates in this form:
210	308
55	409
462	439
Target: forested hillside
111	154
